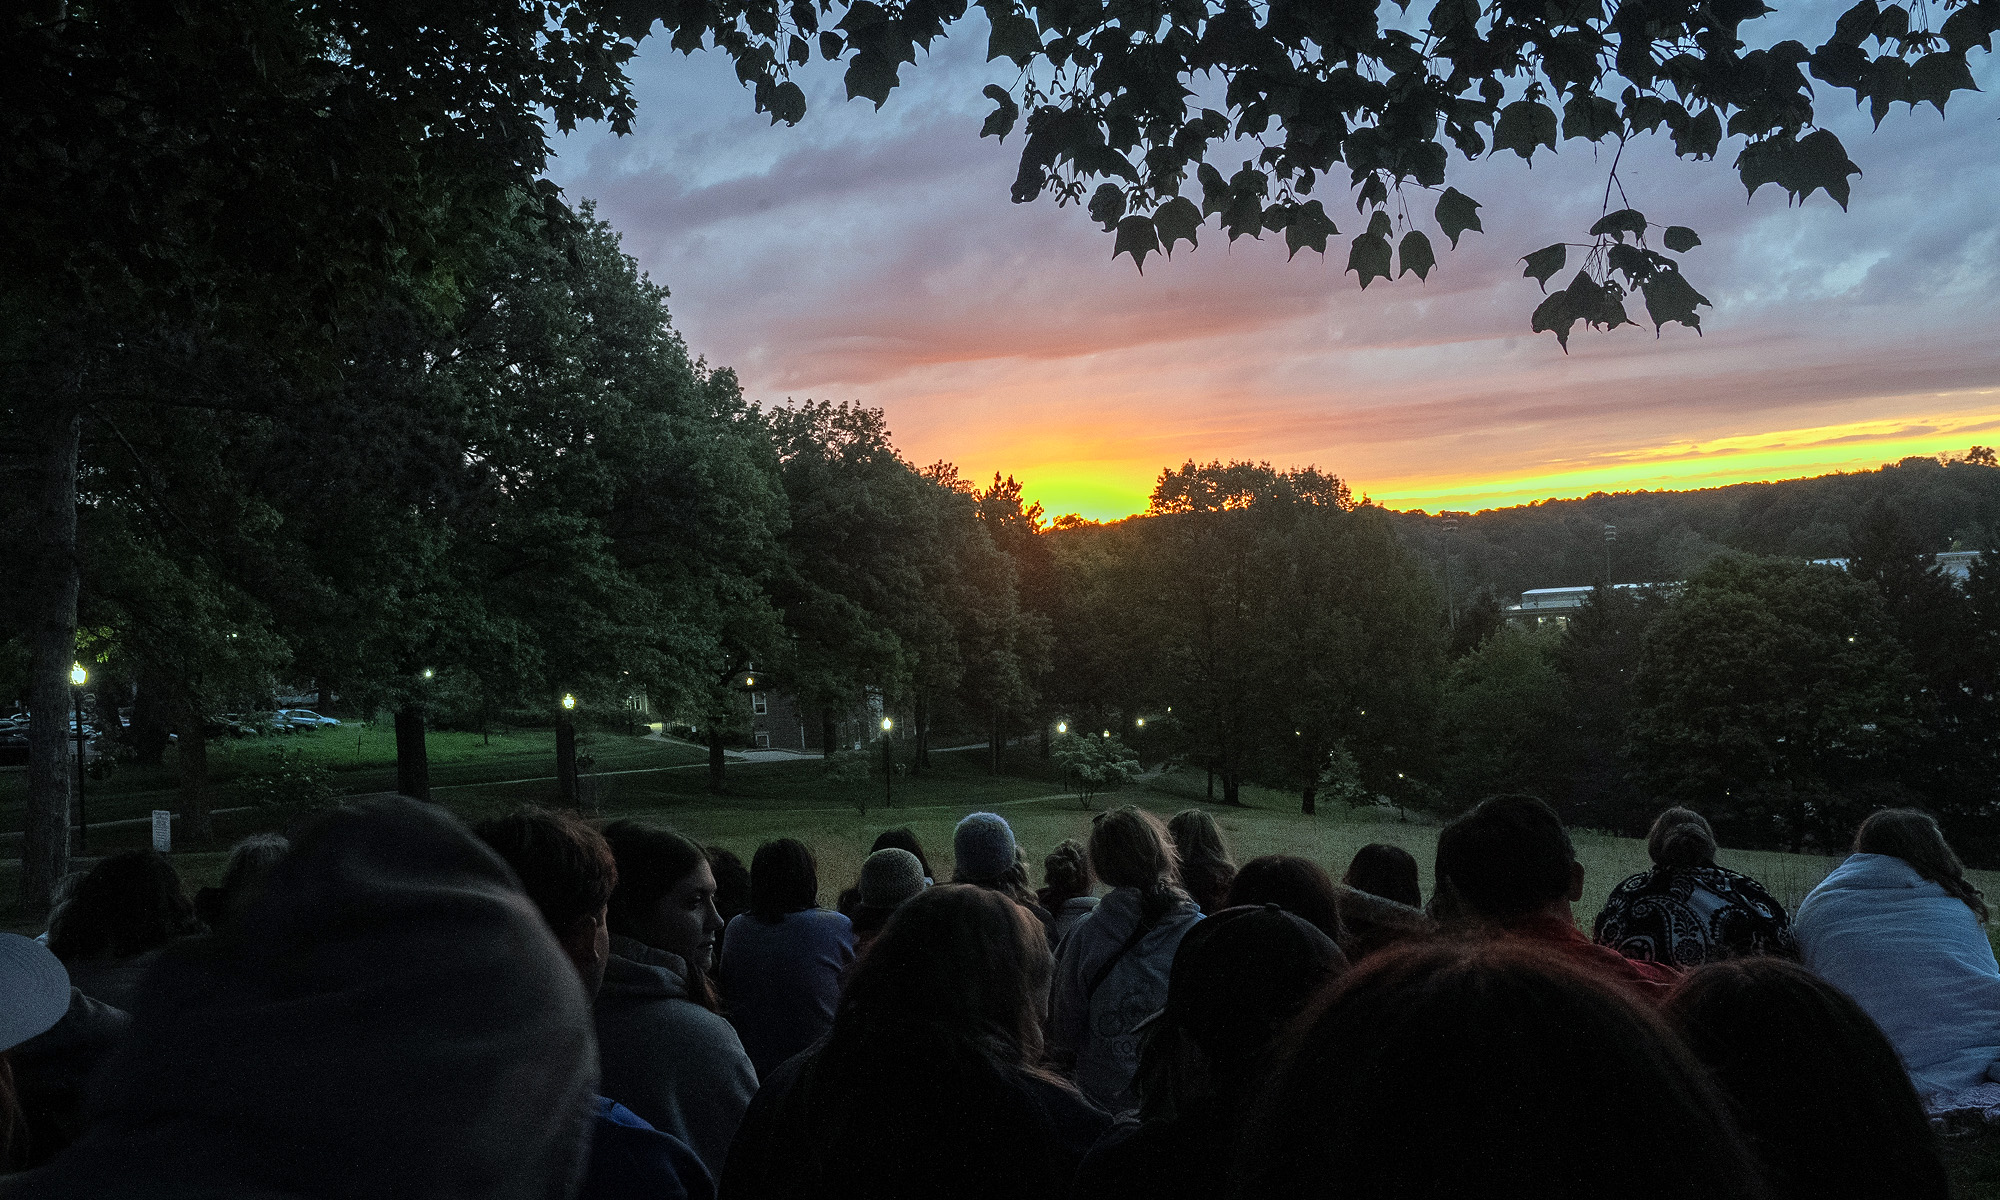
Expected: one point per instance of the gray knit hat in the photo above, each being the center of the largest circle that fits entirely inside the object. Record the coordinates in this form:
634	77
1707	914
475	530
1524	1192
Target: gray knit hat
891	876
982	848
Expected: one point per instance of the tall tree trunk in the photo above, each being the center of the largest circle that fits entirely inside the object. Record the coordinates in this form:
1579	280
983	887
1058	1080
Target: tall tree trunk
715	759
1211	784
1232	794
1045	740
413	760
920	757
191	764
996	741
152	712
566	762
826	732
1308	799
50	603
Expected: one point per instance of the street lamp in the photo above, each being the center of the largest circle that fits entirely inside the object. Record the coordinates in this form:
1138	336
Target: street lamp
430	673
77	678
566	752
1062	726
888	765
1142	722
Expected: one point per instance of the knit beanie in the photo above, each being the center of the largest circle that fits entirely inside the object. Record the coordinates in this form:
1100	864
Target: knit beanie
889	877
982	848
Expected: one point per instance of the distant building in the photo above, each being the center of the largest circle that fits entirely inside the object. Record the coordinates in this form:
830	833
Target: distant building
1543	607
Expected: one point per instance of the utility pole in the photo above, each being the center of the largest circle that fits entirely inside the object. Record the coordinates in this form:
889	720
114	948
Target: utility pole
1450	587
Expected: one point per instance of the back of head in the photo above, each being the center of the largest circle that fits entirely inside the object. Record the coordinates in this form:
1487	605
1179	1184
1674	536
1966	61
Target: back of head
1914	837
1433	1070
1130	848
1196	837
1298	885
1506	858
1817	1088
1238	979
250	860
983	849
903	838
131	902
783	879
651	862
1681	837
389	988
889	877
1386	871
732	881
1066	872
563	864
917	1091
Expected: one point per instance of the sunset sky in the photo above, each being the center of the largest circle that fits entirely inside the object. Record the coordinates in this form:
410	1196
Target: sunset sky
875	257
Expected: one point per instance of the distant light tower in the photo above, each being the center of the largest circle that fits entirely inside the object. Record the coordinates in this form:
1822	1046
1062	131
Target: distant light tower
77	678
1450	583
888	765
1610	536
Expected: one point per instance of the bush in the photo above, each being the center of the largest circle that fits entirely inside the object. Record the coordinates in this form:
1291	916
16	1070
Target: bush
1091	766
291	781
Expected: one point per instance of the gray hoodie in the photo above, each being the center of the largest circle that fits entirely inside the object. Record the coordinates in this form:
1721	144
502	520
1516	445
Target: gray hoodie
1097	1034
665	1057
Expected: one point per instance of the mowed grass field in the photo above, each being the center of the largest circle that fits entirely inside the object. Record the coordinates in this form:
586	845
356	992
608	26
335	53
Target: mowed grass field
666	782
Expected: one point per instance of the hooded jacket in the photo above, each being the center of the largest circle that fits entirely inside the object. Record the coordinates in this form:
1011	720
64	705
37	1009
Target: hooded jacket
1096	1034
677	1065
390	1018
1914	958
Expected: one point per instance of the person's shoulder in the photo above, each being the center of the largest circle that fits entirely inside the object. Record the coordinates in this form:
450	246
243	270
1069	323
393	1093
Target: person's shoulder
630	1158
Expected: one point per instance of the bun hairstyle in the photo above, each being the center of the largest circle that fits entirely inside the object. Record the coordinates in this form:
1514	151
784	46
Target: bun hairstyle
1681	837
1066	870
1913	836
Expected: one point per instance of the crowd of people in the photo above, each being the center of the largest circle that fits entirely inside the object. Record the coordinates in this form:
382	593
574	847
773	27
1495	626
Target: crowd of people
387	1003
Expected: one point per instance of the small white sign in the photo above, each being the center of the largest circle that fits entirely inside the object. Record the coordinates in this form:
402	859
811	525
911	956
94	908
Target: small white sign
163	830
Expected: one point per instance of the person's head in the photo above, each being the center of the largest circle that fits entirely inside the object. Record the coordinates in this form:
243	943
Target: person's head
783	879
1818	1090
1914	837
1196	837
904	838
250	860
568	872
131	902
1680	837
1066	872
1386	871
1561	1085
1508	857
732	882
665	896
1298	885
982	849
36	991
963	964
1238	978
1130	848
889	877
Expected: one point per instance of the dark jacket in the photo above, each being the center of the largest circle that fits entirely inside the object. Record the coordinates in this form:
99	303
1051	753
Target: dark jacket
1687	916
677	1065
52	1070
1186	1157
390	1018
631	1160
994	1134
781	980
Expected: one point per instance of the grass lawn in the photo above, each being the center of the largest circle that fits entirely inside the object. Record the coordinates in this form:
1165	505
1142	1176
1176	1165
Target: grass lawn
666	782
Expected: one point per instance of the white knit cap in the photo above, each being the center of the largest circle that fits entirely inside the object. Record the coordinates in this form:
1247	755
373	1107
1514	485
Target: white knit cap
34	989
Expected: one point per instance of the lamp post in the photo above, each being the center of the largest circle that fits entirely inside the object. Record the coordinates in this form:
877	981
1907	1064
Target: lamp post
888	765
566	752
77	677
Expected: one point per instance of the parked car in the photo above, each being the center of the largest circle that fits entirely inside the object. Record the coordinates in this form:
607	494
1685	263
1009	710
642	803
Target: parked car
305	717
236	725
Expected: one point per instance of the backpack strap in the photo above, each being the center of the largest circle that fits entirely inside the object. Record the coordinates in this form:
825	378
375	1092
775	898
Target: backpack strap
1139	932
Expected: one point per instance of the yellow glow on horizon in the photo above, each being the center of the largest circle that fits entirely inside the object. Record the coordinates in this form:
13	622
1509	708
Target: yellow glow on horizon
1112	490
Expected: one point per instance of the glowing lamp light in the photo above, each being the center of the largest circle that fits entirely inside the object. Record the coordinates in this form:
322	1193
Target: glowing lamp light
428	673
1107	733
1142	722
77	674
569	701
750	681
1062	726
887	724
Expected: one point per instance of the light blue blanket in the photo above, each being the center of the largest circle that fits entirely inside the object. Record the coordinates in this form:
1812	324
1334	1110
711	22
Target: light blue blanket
1916	959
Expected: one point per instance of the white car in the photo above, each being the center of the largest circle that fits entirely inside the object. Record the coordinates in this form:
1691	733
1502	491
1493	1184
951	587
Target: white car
305	716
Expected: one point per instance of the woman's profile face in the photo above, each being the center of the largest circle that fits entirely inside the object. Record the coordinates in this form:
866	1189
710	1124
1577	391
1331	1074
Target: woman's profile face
684	920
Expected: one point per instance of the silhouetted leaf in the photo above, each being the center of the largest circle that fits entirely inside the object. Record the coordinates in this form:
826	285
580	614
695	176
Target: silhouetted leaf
1000	122
1669	297
1309	229
1457	212
797	51
1969	27
1589	117
1214	189
1936	76
1107	206
1137	238
1415	254
1013	36
871	75
1544	263
787	103
1620	223
830	45
1369	257
1680	239
1177	221
1523	125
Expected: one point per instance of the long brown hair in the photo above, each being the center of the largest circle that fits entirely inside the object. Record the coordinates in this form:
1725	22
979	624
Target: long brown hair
1681	837
1913	836
1129	847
